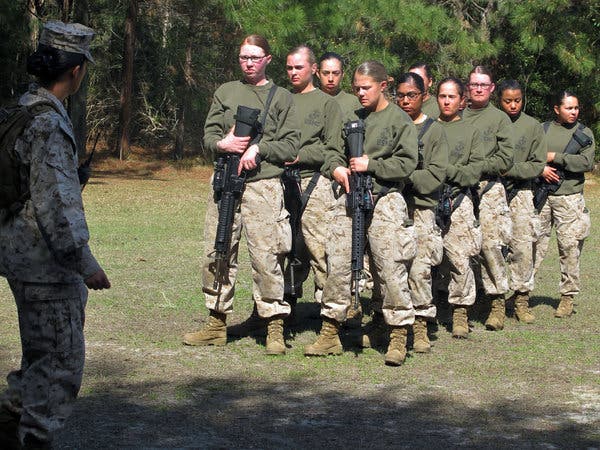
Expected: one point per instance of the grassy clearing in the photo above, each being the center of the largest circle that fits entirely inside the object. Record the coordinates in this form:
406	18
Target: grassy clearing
536	384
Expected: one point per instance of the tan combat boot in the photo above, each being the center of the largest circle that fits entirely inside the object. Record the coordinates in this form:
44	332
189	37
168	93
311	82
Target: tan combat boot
376	332
252	326
460	322
495	321
275	341
522	307
421	342
565	307
213	333
396	352
328	342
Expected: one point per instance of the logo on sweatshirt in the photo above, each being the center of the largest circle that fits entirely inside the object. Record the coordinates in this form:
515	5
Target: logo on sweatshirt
384	137
313	119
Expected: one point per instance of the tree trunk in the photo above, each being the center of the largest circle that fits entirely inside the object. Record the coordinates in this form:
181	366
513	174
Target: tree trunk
186	88
127	86
77	105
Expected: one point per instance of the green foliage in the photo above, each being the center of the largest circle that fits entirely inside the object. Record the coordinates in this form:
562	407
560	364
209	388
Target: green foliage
548	45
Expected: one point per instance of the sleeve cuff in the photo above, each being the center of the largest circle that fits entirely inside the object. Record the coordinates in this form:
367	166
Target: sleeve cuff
88	265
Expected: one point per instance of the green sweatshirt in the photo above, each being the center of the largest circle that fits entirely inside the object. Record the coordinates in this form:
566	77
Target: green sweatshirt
281	137
465	154
320	120
558	136
391	144
496	132
423	190
530	152
349	104
431	108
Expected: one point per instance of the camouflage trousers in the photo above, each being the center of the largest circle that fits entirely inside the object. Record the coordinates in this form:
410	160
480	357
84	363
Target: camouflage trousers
313	237
526	230
496	228
430	249
571	218
43	390
391	245
462	242
264	221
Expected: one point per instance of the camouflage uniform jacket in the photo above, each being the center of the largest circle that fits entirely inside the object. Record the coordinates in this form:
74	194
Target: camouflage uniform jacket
47	241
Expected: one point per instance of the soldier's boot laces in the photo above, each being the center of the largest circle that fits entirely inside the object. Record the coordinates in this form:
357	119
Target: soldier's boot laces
275	341
495	321
396	352
460	322
252	326
376	332
213	333
328	342
421	342
565	307
522	310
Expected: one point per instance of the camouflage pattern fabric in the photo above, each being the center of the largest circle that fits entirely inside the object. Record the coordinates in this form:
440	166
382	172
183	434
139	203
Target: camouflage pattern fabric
265	224
51	319
430	249
462	242
392	246
496	227
47	241
571	218
313	227
526	230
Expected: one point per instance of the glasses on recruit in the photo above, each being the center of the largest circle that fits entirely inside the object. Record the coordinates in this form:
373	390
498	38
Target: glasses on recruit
254	59
480	85
410	95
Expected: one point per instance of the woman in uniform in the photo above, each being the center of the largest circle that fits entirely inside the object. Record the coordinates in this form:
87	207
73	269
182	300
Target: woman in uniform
462	236
390	156
422	194
571	148
261	214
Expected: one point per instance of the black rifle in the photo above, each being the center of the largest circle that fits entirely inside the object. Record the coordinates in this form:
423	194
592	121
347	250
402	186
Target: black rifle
292	199
360	202
444	208
228	187
542	188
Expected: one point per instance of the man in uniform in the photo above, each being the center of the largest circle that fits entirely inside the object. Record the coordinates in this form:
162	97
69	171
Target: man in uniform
44	250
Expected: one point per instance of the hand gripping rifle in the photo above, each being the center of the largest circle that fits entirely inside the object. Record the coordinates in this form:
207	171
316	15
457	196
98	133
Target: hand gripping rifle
360	202
228	187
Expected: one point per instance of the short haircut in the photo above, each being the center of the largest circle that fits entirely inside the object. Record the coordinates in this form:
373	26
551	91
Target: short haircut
460	86
512	85
373	69
259	41
332	55
483	71
304	48
413	78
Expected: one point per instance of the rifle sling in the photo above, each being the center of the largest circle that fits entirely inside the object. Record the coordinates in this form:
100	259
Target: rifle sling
309	189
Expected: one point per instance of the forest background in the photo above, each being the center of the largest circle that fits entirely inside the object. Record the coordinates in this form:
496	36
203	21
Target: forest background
159	61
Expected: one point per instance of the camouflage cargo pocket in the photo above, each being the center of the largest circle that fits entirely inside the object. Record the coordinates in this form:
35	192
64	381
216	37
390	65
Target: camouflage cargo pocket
475	239
435	246
583	224
504	227
536	227
282	238
405	242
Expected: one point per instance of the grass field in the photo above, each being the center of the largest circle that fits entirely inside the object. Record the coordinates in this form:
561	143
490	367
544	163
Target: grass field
532	386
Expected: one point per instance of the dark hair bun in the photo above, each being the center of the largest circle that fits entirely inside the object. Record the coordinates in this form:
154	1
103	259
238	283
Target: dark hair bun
49	63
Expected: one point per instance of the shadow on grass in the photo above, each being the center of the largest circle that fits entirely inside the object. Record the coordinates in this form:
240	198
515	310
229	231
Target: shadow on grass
237	413
542	300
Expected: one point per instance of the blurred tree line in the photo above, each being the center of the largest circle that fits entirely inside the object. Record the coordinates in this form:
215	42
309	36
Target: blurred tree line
158	61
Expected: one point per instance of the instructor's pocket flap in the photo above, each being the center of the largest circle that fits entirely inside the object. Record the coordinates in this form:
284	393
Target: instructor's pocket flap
49	292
